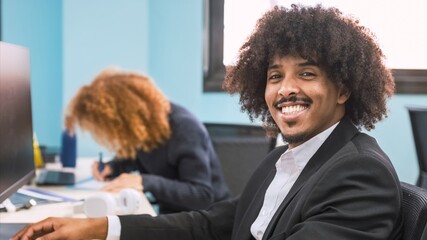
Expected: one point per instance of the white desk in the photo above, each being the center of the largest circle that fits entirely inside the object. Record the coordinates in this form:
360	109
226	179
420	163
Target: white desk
65	209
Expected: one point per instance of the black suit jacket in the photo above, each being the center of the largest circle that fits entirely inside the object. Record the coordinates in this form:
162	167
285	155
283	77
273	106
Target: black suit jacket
348	190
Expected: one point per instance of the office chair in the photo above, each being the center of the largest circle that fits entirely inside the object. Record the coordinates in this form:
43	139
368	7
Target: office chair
418	117
414	212
240	149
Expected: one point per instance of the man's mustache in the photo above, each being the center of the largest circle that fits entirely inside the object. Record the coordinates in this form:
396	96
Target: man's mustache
292	99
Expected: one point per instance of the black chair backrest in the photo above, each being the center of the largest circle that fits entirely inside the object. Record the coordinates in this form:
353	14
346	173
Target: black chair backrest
414	212
240	149
418	116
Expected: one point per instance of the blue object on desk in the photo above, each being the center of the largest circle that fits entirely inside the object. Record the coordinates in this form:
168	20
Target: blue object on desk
68	149
100	163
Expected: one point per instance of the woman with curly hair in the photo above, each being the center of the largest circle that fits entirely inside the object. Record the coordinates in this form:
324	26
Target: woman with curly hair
316	77
128	114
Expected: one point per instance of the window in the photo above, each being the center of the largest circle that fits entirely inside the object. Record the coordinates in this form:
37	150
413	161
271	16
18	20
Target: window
403	41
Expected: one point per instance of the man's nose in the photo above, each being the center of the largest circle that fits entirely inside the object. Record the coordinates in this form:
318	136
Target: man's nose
288	86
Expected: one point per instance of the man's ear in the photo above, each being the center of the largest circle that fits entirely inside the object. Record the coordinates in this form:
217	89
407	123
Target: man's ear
343	95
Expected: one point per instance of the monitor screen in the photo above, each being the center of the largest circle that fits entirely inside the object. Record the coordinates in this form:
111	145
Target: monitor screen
16	131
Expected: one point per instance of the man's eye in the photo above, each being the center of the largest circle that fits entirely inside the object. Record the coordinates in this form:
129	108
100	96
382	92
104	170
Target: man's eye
307	75
275	76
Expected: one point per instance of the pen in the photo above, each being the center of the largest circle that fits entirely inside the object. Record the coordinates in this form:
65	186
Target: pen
100	163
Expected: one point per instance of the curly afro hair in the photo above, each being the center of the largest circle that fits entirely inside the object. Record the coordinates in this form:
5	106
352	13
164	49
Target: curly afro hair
123	111
346	51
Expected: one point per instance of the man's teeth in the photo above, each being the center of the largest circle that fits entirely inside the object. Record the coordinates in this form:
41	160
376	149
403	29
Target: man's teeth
293	109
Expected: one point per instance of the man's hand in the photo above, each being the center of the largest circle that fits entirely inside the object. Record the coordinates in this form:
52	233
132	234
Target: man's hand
65	228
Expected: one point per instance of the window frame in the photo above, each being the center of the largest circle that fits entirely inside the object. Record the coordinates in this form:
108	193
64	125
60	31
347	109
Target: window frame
408	81
213	66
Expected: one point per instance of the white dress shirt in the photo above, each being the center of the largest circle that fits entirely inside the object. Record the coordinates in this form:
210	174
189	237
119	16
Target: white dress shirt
288	168
114	228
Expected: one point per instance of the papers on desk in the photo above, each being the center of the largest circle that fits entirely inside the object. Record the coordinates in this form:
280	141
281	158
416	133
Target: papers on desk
43	194
89	183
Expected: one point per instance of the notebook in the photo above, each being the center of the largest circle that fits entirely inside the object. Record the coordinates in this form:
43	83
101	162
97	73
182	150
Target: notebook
54	177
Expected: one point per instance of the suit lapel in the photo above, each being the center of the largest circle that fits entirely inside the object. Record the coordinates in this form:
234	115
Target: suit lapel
341	135
256	202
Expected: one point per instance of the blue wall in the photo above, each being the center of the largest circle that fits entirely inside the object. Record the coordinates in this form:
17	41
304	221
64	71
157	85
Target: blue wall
38	26
176	58
163	38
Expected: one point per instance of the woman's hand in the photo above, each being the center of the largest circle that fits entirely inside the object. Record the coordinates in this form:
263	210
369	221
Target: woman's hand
65	228
103	175
125	180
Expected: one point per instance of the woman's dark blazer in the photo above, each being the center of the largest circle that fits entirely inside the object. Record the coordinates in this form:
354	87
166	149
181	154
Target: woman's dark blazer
347	191
185	172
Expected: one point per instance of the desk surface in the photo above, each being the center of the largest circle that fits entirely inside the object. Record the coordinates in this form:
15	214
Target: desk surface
65	209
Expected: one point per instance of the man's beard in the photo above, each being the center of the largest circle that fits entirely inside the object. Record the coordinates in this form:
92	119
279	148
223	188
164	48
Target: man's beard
294	139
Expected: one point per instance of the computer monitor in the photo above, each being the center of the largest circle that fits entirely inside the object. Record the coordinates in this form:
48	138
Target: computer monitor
16	131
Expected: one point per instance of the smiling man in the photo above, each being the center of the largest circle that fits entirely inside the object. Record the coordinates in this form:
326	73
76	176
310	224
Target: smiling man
301	99
317	78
